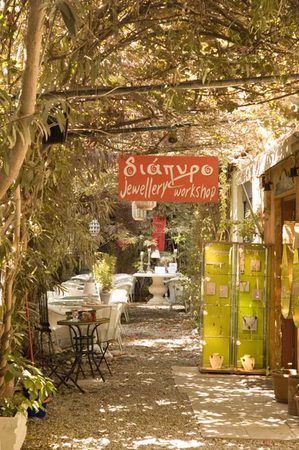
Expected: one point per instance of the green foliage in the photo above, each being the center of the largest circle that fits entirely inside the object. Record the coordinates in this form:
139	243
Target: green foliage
69	16
103	269
246	228
32	388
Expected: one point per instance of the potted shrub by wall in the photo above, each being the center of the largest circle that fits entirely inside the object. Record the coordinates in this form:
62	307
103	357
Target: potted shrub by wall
292	392
103	271
31	390
280	379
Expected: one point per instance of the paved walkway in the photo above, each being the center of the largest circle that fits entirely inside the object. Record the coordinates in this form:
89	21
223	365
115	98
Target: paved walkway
236	406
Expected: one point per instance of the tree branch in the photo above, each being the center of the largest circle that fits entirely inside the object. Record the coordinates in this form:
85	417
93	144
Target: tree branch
184	85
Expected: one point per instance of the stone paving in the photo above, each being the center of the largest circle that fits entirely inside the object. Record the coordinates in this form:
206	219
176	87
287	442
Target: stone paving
236	406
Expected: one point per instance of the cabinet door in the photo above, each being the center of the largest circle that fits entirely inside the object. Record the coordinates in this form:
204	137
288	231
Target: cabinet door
234	303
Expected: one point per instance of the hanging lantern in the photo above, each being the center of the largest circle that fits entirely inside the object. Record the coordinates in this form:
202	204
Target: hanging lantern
138	213
94	227
146	205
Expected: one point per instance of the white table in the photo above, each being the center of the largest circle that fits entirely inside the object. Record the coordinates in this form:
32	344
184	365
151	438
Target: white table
157	288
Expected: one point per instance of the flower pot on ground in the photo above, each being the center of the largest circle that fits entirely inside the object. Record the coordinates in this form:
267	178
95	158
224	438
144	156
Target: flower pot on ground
293	383
280	379
13	431
31	389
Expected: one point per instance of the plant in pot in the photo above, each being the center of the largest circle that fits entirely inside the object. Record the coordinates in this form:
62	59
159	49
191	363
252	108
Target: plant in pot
31	391
103	271
280	379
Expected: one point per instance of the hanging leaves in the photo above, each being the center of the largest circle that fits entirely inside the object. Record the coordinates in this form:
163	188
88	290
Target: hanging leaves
69	16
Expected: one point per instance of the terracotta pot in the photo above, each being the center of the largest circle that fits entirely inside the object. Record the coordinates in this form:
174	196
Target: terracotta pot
280	386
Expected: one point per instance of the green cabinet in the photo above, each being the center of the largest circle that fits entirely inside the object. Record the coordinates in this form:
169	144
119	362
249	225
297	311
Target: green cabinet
234	303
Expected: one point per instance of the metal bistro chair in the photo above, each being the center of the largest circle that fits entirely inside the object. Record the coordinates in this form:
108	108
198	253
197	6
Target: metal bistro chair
55	364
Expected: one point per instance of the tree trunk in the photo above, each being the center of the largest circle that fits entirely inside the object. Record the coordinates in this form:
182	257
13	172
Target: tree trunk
8	296
28	95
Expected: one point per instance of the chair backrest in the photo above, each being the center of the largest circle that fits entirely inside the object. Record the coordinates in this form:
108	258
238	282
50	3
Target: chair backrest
175	289
127	285
110	331
118	296
43	312
72	288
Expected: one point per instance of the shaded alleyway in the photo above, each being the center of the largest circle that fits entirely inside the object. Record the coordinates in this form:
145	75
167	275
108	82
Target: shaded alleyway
140	407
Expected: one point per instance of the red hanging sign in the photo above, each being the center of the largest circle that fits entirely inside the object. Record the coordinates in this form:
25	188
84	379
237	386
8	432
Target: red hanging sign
159	224
168	178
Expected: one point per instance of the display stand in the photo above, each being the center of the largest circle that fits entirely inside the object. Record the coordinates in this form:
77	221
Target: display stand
234	305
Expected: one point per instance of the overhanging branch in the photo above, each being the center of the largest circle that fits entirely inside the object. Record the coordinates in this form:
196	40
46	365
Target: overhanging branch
92	131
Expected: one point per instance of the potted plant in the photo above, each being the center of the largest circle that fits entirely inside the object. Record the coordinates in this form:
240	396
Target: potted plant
31	390
103	271
292	391
280	379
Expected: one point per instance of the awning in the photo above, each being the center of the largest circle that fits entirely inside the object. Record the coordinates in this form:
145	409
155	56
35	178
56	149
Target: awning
267	159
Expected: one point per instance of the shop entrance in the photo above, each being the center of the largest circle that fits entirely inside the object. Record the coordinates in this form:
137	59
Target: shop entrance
289	331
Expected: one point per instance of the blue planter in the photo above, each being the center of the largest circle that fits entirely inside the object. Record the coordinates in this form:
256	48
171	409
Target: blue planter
40	413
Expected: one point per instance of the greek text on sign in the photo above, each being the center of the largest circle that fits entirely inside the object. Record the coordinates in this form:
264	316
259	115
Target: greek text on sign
168	178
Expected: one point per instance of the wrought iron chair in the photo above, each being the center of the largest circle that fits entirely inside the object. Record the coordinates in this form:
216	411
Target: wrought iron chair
55	364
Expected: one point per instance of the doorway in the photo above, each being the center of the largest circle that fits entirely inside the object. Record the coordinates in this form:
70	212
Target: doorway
289	332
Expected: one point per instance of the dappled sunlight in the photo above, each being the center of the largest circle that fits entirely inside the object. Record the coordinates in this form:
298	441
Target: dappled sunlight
171	443
81	444
234	406
114	408
165	402
165	343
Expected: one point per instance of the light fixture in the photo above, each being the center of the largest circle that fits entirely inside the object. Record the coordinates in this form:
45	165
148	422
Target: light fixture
148	206
94	227
268	186
294	172
141	268
172	137
138	213
175	254
155	254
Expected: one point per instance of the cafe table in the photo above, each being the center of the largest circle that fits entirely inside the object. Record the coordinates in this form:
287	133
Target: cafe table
84	337
157	288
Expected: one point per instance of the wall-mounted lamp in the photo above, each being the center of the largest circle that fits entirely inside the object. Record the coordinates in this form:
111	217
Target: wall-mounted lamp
294	172
268	186
155	254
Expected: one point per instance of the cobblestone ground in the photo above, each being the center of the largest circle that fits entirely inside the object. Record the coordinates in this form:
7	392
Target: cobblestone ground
139	407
